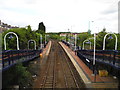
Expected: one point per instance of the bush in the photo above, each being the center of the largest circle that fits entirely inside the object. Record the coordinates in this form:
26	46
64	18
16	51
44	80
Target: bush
17	75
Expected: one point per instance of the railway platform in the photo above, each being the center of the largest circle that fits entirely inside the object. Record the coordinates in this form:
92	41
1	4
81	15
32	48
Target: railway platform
87	74
56	70
56	77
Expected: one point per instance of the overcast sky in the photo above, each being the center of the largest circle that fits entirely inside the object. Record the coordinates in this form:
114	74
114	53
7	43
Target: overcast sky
61	15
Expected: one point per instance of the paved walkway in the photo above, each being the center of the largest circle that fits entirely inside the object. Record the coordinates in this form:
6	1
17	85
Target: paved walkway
46	50
86	73
43	56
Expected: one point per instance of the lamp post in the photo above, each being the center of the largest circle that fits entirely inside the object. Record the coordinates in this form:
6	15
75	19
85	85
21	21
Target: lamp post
105	39
34	43
65	38
79	47
16	37
71	39
75	40
68	36
45	39
89	24
94	67
84	43
0	28
41	41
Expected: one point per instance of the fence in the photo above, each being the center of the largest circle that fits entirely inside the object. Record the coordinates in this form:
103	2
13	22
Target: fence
105	59
72	46
11	57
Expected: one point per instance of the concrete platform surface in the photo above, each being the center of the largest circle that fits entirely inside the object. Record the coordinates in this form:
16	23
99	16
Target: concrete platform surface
86	73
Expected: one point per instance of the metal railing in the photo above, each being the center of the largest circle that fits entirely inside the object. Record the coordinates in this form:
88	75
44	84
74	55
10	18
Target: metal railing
72	46
11	57
105	59
106	56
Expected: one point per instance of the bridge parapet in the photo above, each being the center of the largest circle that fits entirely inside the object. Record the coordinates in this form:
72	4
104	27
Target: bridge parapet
106	56
105	59
11	57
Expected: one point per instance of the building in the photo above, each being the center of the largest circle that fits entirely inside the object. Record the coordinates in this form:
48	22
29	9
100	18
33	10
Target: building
4	26
64	34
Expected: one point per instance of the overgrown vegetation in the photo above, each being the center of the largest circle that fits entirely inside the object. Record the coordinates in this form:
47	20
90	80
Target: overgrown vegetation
110	43
24	35
17	75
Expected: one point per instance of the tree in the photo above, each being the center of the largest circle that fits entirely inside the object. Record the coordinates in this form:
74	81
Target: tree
41	28
99	39
109	43
89	31
24	35
54	36
81	37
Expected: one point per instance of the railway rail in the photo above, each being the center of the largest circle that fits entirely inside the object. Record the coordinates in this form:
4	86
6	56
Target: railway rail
59	71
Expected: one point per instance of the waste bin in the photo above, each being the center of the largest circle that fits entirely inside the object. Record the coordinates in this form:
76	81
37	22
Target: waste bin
103	73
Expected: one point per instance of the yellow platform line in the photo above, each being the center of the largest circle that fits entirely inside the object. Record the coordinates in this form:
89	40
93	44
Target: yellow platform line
80	71
47	53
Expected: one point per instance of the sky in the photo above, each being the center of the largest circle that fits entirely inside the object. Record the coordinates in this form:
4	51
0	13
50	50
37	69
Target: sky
62	15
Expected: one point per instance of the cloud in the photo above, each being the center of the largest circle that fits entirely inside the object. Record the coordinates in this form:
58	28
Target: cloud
109	11
111	7
58	14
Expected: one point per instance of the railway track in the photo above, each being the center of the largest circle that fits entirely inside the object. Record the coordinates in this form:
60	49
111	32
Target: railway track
59	72
67	70
48	79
